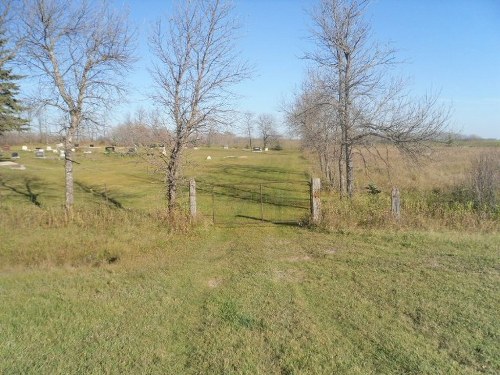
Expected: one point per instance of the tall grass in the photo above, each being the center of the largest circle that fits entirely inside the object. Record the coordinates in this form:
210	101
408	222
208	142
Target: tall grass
419	211
447	190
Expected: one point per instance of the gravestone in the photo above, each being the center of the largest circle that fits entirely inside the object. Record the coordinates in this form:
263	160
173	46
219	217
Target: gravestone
109	149
24	148
14	155
48	148
39	153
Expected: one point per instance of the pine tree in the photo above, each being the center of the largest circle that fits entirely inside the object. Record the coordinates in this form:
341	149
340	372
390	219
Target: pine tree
10	106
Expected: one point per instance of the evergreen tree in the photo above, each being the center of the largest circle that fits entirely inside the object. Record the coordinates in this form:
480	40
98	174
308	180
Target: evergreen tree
10	106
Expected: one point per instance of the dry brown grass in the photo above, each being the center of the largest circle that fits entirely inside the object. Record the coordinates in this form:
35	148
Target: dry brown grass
435	191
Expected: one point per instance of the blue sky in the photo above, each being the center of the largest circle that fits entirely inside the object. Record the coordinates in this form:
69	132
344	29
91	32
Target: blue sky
449	46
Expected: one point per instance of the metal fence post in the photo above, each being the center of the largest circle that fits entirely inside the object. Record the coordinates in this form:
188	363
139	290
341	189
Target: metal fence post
261	205
213	206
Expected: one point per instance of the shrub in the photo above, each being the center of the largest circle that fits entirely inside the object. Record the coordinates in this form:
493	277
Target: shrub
484	176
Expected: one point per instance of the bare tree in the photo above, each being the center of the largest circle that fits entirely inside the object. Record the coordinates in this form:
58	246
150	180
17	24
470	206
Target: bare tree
267	128
78	51
367	104
196	65
248	122
311	117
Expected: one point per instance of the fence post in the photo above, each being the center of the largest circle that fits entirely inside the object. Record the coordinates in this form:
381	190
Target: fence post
315	200
192	197
396	203
213	206
261	205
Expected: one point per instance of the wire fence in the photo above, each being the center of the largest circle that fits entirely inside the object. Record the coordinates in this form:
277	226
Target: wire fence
286	202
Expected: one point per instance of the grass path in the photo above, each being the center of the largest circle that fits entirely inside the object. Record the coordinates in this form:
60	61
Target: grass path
260	300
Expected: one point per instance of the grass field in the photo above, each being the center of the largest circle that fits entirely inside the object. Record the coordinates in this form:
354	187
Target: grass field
117	291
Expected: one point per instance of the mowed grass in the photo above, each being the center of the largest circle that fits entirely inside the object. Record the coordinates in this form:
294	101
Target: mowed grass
132	182
268	301
117	291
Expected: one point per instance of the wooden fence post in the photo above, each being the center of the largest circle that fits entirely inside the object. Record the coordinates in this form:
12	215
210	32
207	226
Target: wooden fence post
192	197
396	203
315	200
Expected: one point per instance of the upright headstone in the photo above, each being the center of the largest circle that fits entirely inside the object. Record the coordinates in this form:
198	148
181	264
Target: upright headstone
40	153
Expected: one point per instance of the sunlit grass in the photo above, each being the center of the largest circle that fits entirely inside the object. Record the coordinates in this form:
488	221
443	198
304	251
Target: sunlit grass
273	300
122	288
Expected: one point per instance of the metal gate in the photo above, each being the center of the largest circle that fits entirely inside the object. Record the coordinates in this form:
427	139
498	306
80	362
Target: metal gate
279	202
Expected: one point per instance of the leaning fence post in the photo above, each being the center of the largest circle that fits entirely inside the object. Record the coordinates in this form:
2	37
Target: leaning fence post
315	200
192	197
396	203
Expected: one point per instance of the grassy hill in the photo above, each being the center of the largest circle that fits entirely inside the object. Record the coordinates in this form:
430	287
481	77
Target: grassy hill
118	290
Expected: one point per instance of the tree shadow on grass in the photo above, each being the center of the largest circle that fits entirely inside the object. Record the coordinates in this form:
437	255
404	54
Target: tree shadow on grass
32	196
100	194
257	220
271	195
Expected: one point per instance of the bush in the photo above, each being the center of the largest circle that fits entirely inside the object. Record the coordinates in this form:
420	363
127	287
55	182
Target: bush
484	176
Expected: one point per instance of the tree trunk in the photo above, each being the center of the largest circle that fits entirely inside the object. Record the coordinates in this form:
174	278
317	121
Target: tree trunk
349	170
68	162
321	163
341	173
68	172
172	175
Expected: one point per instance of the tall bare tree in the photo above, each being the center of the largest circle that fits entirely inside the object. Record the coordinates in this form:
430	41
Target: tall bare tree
367	104
311	117
196	65
78	51
248	122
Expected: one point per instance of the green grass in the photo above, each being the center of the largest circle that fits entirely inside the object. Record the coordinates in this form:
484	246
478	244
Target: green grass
117	291
131	182
271	301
